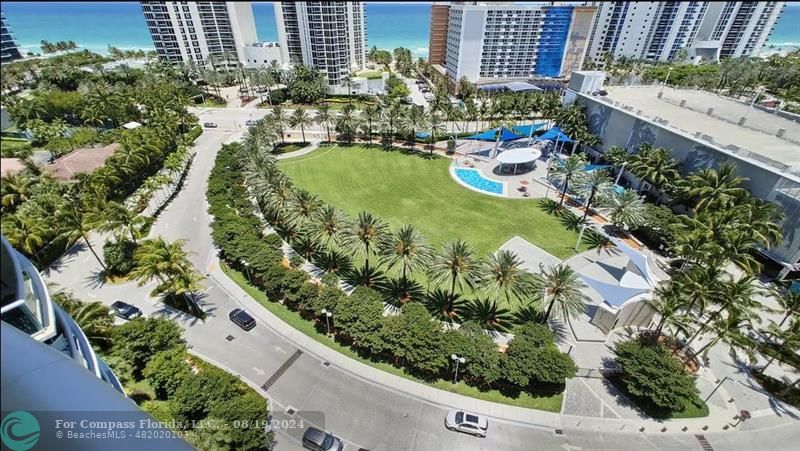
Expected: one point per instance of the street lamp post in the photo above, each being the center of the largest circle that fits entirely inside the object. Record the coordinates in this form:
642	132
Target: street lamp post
715	389
458	360
666	79
580	236
621	170
247	270
328	316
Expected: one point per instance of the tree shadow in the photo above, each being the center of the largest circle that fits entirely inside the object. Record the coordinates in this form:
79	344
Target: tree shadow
67	257
95	279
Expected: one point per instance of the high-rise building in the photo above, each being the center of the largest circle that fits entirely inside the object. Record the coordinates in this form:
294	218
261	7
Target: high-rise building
437	43
733	29
330	36
656	31
8	47
193	31
491	41
27	306
50	371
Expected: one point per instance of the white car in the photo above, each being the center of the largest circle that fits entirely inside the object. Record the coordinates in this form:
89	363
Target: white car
469	423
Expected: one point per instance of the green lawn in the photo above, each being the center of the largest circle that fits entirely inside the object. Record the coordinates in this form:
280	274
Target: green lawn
548	403
414	189
371	75
290	147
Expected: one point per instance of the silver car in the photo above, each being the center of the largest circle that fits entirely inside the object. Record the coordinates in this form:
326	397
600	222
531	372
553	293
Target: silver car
469	423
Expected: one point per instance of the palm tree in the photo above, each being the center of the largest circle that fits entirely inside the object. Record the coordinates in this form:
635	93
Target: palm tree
456	264
115	217
301	118
789	303
502	275
94	318
654	165
26	233
325	117
713	187
567	171
627	208
562	292
407	246
435	125
593	183
159	259
488	315
304	205
334	261
15	190
411	121
729	328
77	225
279	118
788	339
347	122
670	304
616	155
369	115
445	306
365	234
392	112
330	224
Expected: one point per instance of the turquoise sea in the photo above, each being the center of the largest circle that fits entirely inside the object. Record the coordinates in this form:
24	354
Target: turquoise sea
95	25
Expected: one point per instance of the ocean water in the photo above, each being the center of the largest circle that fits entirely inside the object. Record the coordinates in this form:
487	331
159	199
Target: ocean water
95	25
787	31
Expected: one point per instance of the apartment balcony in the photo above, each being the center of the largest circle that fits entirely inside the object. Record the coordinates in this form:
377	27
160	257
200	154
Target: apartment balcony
26	305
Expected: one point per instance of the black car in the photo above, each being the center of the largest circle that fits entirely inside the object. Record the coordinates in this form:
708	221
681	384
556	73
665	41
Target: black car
242	319
125	310
318	440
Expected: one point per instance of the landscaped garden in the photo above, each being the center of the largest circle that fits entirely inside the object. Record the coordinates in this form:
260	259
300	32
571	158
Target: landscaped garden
417	189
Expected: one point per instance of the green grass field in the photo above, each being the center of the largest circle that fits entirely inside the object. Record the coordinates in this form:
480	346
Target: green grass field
415	189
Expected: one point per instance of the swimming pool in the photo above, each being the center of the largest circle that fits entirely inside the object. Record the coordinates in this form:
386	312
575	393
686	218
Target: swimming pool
473	178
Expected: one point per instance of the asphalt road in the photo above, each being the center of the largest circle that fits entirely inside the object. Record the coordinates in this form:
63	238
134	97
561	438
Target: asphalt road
366	415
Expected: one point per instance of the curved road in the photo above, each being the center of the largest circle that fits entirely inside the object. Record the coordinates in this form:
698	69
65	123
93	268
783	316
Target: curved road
365	414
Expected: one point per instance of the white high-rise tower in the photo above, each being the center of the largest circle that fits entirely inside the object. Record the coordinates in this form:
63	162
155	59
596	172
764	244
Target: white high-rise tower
329	36
192	31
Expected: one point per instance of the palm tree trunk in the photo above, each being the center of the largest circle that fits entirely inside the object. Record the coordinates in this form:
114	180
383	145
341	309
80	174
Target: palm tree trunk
588	205
94	253
563	192
549	310
328	128
453	284
706	346
303	131
696	334
133	236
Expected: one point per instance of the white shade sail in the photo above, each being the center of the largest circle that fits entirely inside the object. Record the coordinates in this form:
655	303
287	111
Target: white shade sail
519	156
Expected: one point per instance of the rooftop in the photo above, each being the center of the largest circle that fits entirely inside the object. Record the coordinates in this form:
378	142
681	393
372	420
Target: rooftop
81	161
767	138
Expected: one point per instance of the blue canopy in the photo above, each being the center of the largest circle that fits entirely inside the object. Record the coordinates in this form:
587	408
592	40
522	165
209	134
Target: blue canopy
554	134
491	135
526	129
423	135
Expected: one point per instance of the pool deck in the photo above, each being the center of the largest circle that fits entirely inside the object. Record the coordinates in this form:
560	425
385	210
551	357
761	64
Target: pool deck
534	181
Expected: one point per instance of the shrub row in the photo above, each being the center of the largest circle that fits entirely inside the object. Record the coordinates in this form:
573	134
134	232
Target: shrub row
411	340
188	391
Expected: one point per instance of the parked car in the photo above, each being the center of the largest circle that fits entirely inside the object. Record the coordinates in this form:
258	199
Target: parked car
242	319
466	422
125	310
428	96
407	100
209	125
318	440
250	123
